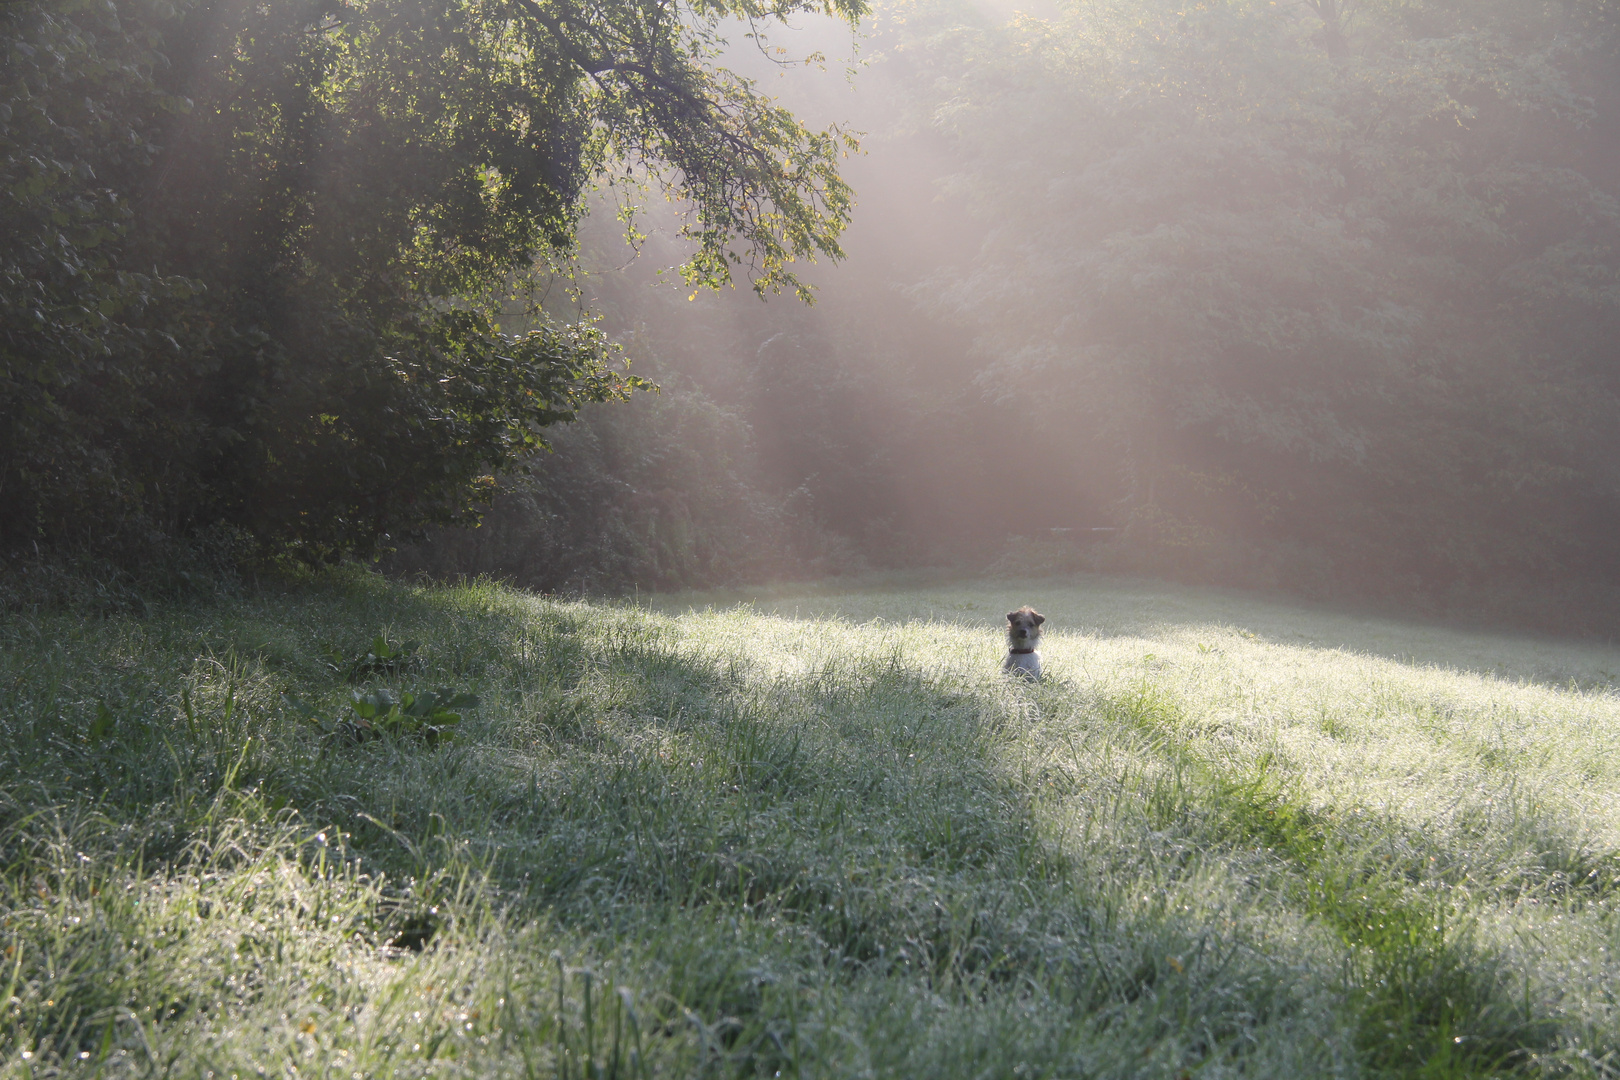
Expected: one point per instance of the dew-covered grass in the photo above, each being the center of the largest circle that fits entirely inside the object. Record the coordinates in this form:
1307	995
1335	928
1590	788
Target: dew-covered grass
805	832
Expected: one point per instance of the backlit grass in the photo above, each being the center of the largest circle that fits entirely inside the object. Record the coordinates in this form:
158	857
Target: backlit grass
815	834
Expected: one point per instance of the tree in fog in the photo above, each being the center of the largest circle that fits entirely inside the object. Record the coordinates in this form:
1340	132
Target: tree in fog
248	246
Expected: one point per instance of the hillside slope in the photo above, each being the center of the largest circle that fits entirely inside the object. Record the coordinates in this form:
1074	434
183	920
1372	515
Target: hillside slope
812	834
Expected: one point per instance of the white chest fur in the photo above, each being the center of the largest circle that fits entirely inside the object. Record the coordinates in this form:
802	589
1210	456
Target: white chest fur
1025	664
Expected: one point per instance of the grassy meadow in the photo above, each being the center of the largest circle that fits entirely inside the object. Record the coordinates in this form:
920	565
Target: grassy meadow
801	832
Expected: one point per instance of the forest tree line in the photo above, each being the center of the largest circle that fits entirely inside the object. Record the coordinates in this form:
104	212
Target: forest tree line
1317	295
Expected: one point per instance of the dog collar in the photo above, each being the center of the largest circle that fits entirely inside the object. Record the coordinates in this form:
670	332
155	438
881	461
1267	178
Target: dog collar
1020	652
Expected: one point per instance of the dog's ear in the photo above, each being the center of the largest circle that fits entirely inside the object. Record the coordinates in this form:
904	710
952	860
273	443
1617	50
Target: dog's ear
1011	615
1039	618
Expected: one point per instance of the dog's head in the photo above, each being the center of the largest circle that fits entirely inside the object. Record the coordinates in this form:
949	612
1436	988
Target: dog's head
1024	627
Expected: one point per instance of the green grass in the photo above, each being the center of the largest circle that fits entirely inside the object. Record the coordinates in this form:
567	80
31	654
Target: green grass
804	833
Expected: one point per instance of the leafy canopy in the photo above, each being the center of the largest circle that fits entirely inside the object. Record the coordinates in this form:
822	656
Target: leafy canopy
249	247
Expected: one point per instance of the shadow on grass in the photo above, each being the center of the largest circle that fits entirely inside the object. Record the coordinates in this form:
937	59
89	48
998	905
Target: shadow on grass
773	858
777	857
1431	998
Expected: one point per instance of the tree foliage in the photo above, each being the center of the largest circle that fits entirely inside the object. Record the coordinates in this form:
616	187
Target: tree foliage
246	245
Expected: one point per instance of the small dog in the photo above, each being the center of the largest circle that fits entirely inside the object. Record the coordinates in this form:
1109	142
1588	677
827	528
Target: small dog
1023	634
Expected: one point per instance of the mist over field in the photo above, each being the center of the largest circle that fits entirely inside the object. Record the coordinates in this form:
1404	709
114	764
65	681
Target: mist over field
1316	296
465	611
1306	297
